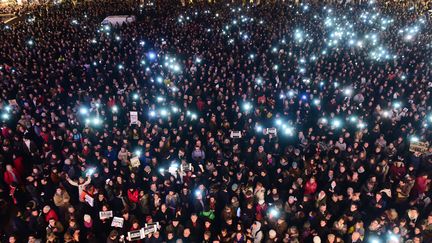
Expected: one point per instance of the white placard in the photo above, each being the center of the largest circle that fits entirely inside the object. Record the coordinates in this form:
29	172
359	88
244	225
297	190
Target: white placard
117	222
105	214
133	117
89	199
235	134
135	235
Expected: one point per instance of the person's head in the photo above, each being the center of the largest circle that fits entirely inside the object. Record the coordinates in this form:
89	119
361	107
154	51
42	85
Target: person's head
186	232
113	235
52	222
12	239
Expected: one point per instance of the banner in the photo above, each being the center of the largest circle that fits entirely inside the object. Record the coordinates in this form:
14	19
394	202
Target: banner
420	147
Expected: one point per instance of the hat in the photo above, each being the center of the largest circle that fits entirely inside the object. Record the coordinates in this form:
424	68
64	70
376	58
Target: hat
361	170
316	239
294	164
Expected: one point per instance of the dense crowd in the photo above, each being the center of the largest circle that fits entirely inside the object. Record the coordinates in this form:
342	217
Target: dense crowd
347	88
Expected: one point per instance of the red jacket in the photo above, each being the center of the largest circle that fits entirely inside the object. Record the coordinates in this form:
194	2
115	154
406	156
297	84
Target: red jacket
133	195
310	188
8	177
51	215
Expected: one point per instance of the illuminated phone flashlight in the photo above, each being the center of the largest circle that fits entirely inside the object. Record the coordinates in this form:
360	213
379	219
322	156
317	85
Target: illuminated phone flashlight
97	105
274	213
161	170
414	138
159	79
430	118
138	152
278	122
316	101
74	22
282	96
348	91
194	116
198	193
353	119
107	28
96	121
259	81
323	120
152	113
160	99
306	80
94	41
304	97
151	55
275	67
143	62
135	96
114	109
251	56
8	108
386	113
374	240
90	171
163	112
289	131
336	123
274	49
120	66
247	106
198	60
176	68
291	93
361	125
397	105
30	42
142	43
174	109
258	128
5	116
302	70
83	111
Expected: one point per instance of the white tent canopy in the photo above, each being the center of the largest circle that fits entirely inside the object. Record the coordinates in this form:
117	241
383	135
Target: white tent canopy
119	19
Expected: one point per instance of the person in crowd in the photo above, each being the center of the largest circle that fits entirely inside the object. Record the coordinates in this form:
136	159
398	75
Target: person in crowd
216	122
